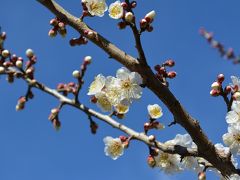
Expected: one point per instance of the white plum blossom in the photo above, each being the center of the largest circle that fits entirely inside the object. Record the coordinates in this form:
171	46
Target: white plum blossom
155	111
129	84
116	92
113	147
169	163
116	10
103	102
97	85
233	116
96	7
186	141
225	151
232	138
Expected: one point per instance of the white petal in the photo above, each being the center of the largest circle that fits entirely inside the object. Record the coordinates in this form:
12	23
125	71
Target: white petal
232	117
135	78
123	73
136	92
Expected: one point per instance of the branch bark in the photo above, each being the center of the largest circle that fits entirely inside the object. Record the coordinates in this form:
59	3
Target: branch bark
205	147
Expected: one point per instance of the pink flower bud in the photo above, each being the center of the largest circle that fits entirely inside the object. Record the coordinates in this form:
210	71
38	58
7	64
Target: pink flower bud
151	161
220	78
52	33
143	23
171	74
216	85
201	176
169	63
214	92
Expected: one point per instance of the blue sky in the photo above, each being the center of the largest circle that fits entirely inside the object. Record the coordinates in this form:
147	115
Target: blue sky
32	149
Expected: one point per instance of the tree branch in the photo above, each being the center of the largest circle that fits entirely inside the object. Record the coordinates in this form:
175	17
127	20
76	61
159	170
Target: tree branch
205	148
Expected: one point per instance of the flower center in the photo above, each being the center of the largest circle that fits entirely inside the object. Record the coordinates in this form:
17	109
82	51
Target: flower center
115	11
155	111
126	84
115	148
237	137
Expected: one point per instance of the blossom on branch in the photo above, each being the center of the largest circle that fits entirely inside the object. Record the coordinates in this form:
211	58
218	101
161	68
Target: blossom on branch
113	147
154	111
96	7
116	10
232	138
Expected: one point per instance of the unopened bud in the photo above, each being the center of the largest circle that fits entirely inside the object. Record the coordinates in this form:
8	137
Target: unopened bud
220	78
21	103
151	161
151	138
216	85
53	22
88	59
5	53
201	176
150	16
61	25
170	63
171	74
76	74
122	25
129	17
19	64
52	33
2	69
214	92
133	4
228	89
29	53
143	23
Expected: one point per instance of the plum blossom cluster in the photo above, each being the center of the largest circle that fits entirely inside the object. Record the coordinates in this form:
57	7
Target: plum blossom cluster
116	92
118	10
232	137
173	163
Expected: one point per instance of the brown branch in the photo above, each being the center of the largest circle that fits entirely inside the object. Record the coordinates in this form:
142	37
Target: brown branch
205	148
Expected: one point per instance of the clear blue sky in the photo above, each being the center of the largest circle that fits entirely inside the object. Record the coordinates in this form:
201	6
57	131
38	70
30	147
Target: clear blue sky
29	146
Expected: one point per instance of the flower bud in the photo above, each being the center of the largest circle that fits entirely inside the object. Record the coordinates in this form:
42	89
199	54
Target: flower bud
29	53
61	25
171	74
151	138
201	176
19	64
151	161
124	5
21	103
133	4
214	92
169	63
2	69
228	89
149	28
150	16
129	17
220	78
76	74
52	33
53	22
5	53
216	85
143	23
88	59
